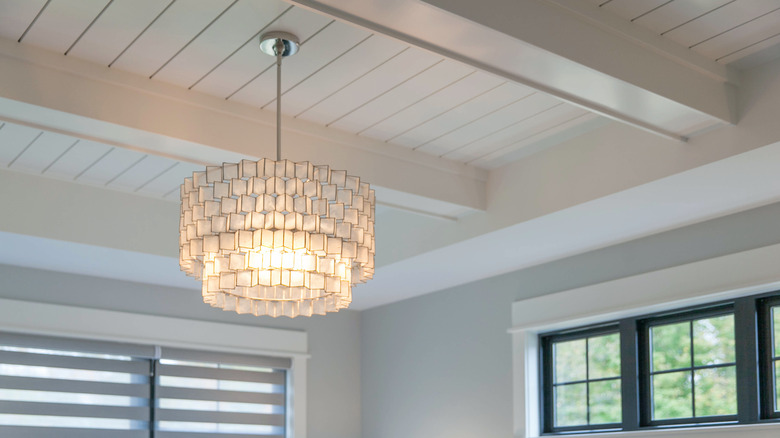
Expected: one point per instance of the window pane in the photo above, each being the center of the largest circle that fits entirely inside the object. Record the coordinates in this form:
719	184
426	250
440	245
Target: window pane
777	386
571	406
569	361
671	346
716	391
605	402
672	395
604	356
776	325
713	340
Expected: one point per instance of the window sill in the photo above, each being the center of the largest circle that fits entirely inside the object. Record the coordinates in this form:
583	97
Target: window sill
763	430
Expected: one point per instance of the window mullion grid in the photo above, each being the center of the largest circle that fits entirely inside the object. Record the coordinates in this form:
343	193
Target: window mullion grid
747	366
587	379
629	374
767	361
547	389
153	397
693	373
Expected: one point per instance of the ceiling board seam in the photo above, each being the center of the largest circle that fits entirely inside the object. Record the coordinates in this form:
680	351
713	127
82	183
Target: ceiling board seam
696	18
651	10
257	34
156	176
142	32
502	129
11	163
193	38
60	156
29	26
169	192
445	111
319	69
91	23
747	47
93	163
461	126
273	63
385	92
526	138
353	81
417	101
735	27
124	171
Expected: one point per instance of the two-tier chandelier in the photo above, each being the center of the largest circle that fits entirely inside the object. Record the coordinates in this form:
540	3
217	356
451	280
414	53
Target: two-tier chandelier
277	238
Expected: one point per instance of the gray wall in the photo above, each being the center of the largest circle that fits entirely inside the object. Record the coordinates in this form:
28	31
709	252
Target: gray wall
440	365
433	366
334	340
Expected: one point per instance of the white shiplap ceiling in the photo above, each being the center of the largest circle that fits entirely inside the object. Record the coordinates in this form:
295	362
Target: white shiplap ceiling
345	77
724	31
67	158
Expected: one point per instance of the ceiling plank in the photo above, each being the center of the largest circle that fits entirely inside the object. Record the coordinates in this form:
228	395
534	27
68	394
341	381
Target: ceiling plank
17	15
525	108
248	61
470	111
677	13
82	155
125	110
238	25
414	90
62	22
169	34
379	80
42	152
116	28
323	48
719	20
445	99
624	74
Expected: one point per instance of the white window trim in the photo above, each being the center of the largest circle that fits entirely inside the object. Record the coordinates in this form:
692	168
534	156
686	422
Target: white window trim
702	282
108	325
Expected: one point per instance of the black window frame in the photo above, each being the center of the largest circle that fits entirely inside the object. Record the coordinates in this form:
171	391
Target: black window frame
645	365
548	397
753	373
766	359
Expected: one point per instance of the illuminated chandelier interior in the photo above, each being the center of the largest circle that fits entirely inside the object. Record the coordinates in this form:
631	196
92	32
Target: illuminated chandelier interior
277	238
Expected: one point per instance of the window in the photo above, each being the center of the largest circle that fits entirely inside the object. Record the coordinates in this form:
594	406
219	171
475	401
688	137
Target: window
688	367
692	368
75	388
585	383
770	345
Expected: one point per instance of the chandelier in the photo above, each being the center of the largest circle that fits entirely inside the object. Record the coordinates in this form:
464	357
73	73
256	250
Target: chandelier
277	238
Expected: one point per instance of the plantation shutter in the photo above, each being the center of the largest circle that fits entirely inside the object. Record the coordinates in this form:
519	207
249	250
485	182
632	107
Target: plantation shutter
218	395
64	388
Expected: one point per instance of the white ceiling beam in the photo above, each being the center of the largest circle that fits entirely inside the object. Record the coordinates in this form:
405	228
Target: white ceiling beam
66	95
621	74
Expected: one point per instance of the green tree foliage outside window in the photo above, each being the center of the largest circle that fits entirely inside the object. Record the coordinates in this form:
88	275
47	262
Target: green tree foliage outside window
586	382
693	368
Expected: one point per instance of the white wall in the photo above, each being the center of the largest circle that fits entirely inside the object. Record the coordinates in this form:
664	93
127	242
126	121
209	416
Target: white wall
440	365
334	341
